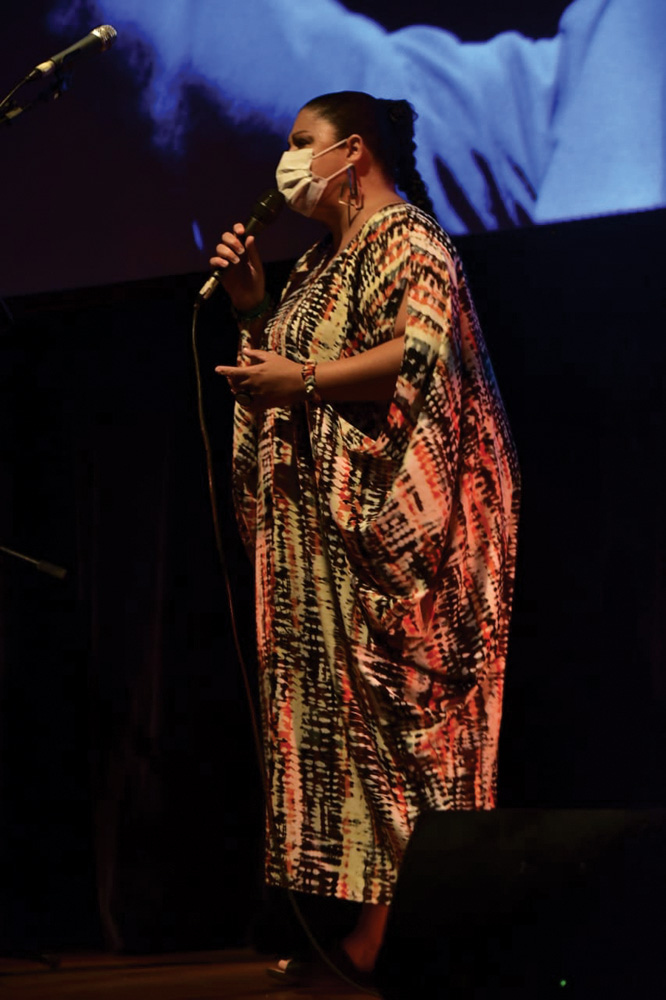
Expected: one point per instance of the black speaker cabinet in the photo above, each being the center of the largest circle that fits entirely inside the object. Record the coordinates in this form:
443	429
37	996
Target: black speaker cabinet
529	903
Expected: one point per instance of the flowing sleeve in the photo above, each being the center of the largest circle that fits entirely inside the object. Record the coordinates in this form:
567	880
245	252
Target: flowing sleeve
391	496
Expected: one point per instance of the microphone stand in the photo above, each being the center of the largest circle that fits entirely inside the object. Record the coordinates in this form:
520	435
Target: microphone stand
26	955
39	564
9	109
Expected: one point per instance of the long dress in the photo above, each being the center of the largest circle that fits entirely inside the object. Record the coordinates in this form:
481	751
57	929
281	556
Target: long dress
383	538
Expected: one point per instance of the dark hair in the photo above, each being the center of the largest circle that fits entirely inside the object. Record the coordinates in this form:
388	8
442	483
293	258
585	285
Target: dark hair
387	128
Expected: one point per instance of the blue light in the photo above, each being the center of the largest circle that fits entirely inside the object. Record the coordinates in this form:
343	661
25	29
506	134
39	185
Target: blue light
198	238
510	131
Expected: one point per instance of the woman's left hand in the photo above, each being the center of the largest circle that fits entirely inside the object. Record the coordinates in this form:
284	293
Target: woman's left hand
269	379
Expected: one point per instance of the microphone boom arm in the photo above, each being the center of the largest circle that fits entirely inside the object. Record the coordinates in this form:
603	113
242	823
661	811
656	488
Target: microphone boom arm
10	110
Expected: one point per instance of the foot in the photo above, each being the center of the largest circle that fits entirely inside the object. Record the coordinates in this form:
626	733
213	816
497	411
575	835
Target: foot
362	946
361	952
344	964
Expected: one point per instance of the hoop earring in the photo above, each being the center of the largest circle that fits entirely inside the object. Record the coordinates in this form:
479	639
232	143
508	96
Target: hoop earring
352	189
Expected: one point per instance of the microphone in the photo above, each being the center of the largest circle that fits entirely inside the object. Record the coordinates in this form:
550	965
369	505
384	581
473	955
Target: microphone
100	39
263	213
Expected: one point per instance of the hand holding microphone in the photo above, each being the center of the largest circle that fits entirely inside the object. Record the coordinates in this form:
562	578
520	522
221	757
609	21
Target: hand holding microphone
238	268
237	263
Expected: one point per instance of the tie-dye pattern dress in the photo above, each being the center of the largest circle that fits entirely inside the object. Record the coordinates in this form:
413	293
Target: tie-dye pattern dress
383	538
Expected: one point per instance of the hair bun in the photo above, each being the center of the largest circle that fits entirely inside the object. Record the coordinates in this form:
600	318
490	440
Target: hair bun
400	111
396	111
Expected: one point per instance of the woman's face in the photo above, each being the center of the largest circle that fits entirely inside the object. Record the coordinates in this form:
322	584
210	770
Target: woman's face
311	131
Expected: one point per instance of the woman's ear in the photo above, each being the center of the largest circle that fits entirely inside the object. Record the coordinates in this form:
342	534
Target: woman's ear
355	148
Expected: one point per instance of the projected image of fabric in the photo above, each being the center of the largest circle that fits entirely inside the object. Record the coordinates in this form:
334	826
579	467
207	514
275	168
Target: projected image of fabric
383	540
510	131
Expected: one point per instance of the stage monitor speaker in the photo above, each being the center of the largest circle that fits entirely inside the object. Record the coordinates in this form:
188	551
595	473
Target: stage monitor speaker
529	903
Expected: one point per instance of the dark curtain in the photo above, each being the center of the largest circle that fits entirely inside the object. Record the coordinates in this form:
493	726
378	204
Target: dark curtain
132	814
128	761
575	315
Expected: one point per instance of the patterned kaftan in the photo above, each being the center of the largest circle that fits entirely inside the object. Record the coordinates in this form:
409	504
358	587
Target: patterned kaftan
384	546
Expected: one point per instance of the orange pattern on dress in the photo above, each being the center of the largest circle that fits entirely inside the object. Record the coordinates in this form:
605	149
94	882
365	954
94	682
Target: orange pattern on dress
384	543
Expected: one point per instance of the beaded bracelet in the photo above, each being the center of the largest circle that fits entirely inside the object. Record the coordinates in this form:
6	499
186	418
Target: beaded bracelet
309	378
259	310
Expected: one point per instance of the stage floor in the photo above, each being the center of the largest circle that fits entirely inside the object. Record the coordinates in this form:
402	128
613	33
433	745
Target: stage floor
223	975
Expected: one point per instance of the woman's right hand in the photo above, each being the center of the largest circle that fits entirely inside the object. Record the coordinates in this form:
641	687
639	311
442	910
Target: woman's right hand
242	270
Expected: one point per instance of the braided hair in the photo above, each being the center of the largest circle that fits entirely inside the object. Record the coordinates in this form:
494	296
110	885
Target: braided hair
387	128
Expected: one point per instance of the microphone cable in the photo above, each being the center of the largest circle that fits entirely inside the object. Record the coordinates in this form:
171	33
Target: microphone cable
255	726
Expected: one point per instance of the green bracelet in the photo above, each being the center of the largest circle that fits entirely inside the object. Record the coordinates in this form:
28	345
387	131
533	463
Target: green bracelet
259	310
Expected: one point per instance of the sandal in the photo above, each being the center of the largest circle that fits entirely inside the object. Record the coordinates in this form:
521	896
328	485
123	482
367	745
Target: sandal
291	971
296	971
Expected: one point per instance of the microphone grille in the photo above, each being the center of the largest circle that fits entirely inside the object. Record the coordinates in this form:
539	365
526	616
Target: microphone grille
268	207
106	34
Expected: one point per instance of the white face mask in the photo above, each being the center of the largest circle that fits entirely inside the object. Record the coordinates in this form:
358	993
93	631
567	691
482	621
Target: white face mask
301	188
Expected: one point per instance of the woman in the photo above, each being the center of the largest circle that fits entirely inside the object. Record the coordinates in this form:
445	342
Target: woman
375	483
